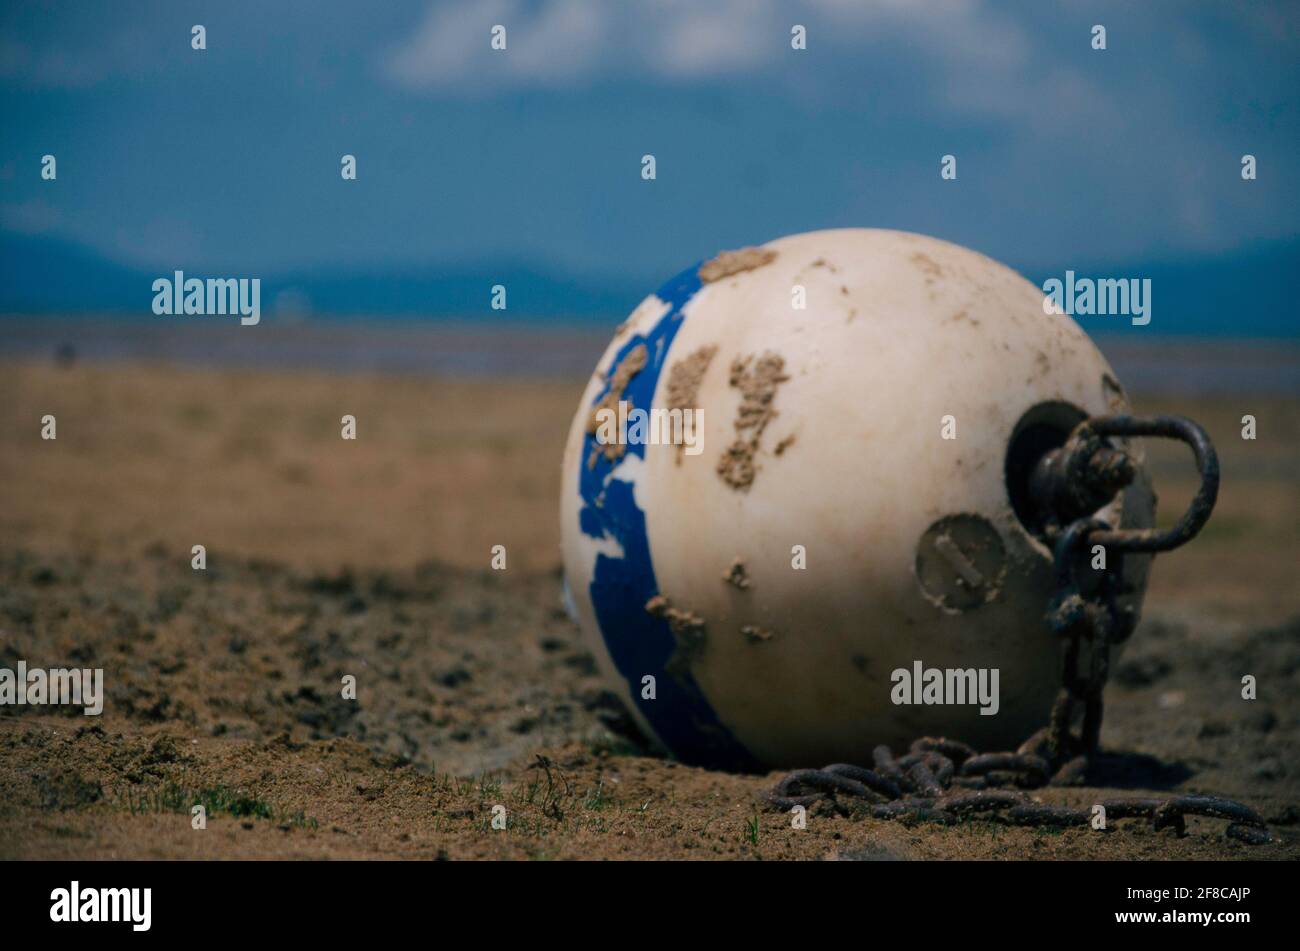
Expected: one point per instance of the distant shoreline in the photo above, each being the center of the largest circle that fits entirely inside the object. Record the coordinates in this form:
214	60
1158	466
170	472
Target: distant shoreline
475	349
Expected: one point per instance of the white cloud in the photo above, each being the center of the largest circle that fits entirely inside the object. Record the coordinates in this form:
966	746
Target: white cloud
688	40
559	42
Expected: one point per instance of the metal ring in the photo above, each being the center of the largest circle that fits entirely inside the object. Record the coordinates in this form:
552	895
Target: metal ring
1207	464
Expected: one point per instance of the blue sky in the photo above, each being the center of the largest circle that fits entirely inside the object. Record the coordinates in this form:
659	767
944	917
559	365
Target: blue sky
227	160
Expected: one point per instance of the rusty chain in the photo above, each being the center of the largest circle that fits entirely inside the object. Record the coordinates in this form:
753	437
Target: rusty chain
945	780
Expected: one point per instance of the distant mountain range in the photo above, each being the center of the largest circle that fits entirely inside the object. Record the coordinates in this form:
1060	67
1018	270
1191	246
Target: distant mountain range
45	276
1243	294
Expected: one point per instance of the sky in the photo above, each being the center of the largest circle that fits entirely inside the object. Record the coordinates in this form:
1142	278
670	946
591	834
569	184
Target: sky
472	161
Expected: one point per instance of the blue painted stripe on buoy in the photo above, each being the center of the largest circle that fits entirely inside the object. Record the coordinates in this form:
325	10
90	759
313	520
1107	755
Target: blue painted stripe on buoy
638	642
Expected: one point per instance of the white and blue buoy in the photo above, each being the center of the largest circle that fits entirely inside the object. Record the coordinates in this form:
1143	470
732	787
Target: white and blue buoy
851	504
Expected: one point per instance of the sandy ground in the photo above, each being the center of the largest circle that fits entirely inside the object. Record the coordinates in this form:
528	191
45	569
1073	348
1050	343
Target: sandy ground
370	558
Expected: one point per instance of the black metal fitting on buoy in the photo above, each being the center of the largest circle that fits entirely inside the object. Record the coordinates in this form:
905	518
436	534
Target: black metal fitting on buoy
1083	475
